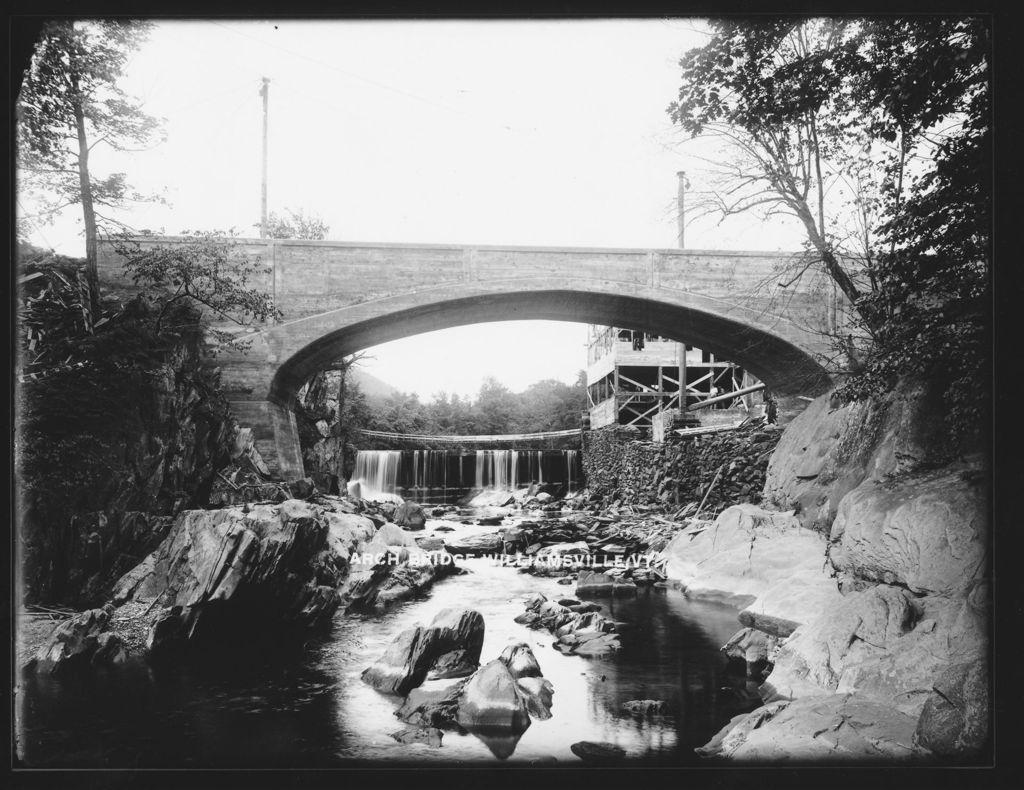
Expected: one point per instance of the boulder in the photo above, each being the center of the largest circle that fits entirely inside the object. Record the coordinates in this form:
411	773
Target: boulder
828	450
491	700
78	641
927	532
955	718
837	727
402	666
593	646
753	648
415	651
537	693
431	736
594	583
763	561
473	545
881	643
401	574
454	664
578	547
434	703
410	516
490	498
598	752
521	661
274	564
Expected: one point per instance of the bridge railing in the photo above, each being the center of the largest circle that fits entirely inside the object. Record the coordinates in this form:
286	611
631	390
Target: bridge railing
478	438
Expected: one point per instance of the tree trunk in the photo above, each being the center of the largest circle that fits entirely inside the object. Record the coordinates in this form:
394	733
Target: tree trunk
88	214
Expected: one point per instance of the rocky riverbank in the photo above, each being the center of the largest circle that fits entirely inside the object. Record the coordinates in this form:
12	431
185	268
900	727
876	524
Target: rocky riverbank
875	582
243	571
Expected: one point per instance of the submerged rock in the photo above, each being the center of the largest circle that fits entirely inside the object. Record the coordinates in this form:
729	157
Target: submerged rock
598	752
431	736
644	707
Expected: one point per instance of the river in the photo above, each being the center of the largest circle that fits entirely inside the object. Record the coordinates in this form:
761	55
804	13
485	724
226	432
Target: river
294	706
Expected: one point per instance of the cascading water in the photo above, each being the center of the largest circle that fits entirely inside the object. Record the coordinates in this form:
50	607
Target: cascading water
376	473
444	476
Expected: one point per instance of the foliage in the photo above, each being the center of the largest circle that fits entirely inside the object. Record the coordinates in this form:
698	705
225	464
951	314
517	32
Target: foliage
209	273
547	405
296	225
69	103
875	135
123	417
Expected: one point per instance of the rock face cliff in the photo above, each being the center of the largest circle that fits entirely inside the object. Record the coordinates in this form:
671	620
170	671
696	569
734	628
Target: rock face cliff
245	573
875	569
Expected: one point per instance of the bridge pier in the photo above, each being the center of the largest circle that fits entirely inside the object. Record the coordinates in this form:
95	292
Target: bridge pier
275	434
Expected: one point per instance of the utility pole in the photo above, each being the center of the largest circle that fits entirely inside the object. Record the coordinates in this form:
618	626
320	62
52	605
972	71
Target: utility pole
681	347
264	92
681	205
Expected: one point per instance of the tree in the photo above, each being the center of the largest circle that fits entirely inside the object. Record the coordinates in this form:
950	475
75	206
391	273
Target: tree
552	405
208	273
297	225
70	103
874	134
496	410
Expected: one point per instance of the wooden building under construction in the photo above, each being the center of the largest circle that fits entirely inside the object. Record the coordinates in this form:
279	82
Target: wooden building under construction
632	376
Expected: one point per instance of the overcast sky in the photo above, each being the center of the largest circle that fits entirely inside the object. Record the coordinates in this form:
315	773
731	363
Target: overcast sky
498	132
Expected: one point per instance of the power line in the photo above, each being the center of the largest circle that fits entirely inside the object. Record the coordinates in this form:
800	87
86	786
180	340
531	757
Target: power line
369	81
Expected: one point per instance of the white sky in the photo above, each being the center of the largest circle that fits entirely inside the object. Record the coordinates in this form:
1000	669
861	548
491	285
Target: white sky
497	132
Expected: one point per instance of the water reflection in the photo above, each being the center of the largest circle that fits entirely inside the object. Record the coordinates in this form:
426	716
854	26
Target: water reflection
281	706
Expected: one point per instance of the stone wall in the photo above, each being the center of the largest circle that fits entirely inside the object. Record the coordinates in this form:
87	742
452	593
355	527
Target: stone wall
618	467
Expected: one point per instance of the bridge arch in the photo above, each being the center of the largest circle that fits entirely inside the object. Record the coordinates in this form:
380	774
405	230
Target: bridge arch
285	355
767	346
340	297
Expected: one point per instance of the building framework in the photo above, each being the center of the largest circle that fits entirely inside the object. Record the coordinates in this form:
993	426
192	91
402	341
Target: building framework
632	376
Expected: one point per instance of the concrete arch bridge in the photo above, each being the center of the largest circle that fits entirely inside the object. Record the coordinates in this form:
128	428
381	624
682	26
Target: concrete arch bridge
340	297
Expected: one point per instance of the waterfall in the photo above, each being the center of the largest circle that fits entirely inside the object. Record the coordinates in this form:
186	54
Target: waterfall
571	465
376	473
445	475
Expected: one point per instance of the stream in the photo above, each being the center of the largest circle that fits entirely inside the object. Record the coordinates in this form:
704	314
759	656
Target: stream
292	706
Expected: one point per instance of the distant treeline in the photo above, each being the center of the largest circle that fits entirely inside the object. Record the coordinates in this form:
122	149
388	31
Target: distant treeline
548	405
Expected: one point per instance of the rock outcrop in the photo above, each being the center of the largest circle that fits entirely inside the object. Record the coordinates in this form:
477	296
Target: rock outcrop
884	621
245	572
580	632
272	563
763	562
79	641
835	728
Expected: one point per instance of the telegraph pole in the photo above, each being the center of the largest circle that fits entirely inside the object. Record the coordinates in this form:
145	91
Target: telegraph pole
264	92
681	347
681	201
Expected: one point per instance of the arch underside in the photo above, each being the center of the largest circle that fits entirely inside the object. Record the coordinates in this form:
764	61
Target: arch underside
744	337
